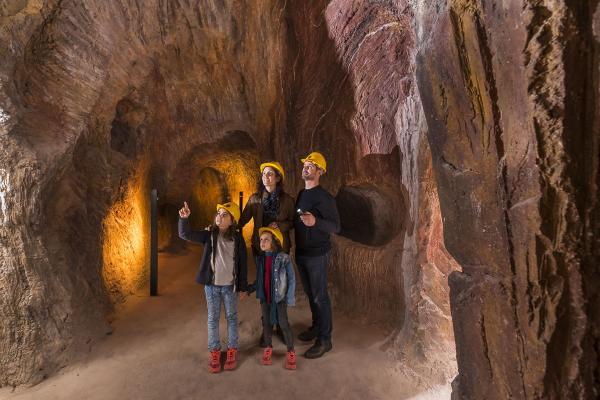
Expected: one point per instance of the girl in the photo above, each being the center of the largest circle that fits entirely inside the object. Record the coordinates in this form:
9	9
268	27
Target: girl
223	272
275	286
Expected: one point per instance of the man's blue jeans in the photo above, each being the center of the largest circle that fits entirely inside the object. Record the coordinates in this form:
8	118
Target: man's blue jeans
215	295
313	272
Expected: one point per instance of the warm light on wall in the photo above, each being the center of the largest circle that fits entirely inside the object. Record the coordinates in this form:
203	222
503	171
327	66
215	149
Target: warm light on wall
240	176
125	246
4	190
237	174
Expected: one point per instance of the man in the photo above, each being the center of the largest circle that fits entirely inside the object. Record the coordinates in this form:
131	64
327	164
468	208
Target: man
316	219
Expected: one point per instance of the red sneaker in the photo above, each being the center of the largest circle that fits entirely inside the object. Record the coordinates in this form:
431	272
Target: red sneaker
231	362
290	360
214	361
266	359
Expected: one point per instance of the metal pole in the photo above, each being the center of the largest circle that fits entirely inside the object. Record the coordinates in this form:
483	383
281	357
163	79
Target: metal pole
153	243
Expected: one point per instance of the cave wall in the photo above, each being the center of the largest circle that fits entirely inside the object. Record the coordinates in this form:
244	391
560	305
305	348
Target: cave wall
354	97
99	101
102	100
509	91
477	119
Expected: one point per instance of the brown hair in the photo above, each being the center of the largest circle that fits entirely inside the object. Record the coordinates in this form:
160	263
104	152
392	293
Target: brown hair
231	231
276	244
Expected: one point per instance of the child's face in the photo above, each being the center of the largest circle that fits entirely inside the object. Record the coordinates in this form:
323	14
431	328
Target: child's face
266	242
223	219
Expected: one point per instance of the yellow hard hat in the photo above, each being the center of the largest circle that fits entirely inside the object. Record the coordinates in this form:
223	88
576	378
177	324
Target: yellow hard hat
232	208
274	231
316	158
273	164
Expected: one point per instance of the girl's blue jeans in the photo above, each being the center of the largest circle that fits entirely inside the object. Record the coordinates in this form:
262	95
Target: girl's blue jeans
215	295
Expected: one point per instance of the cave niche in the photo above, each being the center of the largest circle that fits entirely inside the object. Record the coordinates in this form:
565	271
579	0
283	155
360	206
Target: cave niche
369	214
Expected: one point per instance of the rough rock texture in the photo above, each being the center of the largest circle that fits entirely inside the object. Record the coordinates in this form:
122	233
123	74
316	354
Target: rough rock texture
371	126
509	91
103	100
490	104
98	102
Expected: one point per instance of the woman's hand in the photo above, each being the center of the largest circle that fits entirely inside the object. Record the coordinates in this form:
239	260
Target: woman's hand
274	225
244	295
185	211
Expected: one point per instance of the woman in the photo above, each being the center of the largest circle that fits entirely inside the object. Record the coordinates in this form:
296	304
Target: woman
270	206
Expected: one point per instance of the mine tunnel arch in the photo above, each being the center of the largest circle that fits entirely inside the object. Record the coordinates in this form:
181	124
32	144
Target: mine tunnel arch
208	174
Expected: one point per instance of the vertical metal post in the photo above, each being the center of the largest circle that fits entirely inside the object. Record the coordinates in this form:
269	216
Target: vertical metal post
153	242
241	202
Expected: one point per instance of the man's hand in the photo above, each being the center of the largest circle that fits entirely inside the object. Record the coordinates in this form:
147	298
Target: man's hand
308	219
244	295
185	211
274	225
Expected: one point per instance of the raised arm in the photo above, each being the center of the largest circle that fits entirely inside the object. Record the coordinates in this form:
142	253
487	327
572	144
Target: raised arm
186	232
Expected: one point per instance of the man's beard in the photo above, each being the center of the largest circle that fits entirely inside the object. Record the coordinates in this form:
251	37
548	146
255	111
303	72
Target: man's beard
308	177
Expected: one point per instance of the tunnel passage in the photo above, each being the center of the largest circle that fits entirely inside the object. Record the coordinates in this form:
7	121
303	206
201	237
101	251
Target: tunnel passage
209	188
190	100
206	175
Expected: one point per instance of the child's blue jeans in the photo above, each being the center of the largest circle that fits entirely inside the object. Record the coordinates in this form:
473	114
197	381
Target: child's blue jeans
215	295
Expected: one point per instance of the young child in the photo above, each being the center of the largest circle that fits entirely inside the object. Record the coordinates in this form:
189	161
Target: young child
275	287
223	271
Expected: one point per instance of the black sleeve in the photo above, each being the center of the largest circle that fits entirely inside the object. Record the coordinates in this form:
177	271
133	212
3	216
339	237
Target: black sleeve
243	257
186	233
330	220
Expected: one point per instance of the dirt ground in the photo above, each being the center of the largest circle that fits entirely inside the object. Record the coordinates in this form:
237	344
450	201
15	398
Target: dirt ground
158	351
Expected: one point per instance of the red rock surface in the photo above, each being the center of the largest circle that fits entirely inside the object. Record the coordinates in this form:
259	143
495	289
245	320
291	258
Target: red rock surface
508	89
475	121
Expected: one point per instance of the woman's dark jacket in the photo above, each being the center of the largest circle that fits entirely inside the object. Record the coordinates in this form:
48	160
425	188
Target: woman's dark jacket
285	219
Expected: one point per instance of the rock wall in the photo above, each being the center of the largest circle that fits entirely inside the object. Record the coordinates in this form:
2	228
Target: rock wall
509	93
102	100
98	102
362	109
474	121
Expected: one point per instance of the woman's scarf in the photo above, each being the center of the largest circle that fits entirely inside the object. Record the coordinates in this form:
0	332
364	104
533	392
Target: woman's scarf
270	204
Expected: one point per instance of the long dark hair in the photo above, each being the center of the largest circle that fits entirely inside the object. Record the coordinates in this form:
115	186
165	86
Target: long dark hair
230	232
260	187
278	247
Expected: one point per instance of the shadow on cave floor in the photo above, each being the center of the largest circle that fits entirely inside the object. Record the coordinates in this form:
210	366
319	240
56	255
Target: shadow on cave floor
158	351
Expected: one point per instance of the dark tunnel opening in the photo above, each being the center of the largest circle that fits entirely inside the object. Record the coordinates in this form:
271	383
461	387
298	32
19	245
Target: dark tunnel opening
368	214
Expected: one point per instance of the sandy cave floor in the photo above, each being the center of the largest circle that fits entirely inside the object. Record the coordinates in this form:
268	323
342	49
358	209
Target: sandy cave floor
158	351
